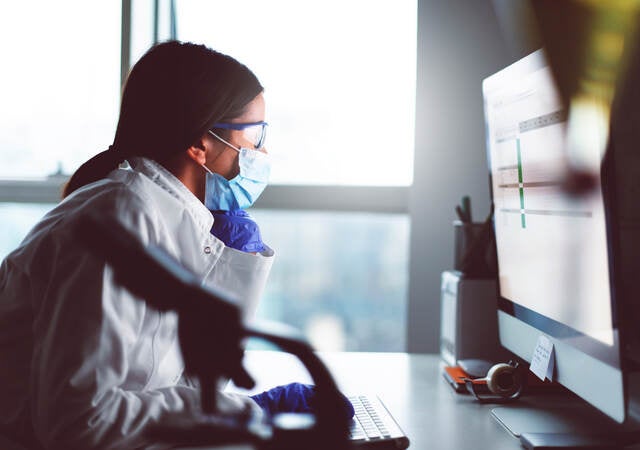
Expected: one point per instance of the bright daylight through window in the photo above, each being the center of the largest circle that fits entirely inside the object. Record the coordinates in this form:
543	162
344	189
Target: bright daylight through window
60	99
339	79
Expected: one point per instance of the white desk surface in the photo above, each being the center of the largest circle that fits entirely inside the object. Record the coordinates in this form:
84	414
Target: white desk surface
411	386
432	415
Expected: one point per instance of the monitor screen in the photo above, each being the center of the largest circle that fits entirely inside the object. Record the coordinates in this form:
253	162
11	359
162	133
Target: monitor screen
553	248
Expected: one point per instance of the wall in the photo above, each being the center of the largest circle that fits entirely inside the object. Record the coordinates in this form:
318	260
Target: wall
459	44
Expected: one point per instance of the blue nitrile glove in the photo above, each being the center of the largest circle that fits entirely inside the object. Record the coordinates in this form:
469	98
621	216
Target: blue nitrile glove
295	397
237	230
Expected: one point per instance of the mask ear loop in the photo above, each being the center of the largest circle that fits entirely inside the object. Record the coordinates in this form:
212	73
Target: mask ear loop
223	141
207	169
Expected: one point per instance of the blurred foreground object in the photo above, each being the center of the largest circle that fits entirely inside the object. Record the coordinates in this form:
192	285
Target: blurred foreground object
212	335
590	45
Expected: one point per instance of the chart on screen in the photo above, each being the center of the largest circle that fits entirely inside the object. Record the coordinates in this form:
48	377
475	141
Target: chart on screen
528	153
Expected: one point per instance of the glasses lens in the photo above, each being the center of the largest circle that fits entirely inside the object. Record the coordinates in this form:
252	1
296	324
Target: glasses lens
256	134
263	135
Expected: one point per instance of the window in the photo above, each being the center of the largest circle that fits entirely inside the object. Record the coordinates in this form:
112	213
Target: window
339	81
60	97
60	94
340	277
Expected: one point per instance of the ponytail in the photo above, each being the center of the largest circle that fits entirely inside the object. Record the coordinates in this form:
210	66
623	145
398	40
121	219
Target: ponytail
94	169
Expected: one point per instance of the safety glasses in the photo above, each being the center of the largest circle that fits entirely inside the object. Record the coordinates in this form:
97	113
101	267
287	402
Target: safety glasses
255	132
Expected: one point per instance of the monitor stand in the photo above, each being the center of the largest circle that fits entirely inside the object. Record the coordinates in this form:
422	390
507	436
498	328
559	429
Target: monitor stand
560	421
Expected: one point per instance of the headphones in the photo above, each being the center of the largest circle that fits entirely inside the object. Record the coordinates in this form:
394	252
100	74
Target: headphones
504	381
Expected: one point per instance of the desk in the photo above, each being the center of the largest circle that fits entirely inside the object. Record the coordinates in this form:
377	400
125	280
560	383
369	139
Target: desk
413	389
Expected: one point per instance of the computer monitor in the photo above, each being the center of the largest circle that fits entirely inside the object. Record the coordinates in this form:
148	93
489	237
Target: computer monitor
554	250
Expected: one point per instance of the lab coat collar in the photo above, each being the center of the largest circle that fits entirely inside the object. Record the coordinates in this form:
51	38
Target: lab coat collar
168	181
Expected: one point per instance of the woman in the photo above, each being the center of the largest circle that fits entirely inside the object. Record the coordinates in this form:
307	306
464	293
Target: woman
84	363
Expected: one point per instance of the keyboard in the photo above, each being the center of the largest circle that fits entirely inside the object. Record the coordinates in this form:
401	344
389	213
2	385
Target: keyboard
373	426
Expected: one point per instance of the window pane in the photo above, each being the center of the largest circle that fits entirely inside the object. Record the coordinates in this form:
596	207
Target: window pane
60	97
142	19
339	79
17	219
341	278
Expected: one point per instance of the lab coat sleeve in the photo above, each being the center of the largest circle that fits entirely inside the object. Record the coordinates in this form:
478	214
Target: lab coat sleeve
82	361
84	333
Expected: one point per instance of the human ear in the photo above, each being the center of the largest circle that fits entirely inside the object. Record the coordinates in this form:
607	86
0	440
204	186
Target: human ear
197	152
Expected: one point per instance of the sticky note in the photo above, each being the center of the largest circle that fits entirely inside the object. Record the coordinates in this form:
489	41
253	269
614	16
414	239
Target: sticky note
543	359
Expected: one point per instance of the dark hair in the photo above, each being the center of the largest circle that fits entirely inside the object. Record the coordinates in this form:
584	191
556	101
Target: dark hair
173	95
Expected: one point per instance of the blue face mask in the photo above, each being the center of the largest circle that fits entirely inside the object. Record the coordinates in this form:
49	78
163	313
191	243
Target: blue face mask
243	190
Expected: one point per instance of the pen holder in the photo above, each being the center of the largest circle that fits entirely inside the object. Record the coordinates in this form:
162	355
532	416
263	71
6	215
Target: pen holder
474	249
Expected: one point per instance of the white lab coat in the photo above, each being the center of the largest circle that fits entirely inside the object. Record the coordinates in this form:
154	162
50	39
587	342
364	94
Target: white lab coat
83	363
